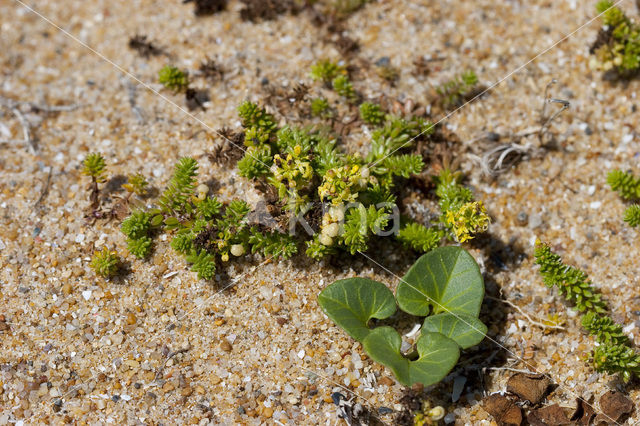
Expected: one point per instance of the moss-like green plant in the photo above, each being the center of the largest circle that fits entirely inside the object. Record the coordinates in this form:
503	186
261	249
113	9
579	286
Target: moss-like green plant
625	184
305	167
618	44
137	228
203	264
343	87
628	186
205	231
181	186
572	283
326	71
419	237
614	354
371	113
632	215
253	115
444	285
454	91
173	78
105	262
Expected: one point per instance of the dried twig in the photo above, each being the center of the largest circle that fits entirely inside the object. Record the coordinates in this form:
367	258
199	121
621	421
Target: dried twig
524	314
514	370
14	107
45	190
137	111
500	158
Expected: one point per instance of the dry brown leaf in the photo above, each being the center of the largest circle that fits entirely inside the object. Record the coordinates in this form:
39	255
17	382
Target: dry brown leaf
583	414
529	387
503	409
615	405
551	415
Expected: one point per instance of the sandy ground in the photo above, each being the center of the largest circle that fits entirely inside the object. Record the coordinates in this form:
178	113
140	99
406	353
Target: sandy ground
80	349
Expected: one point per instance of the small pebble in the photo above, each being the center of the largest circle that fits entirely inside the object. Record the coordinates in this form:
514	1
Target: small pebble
225	345
522	218
131	318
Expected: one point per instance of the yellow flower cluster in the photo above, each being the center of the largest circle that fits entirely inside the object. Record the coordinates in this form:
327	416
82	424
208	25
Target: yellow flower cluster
470	219
342	184
294	170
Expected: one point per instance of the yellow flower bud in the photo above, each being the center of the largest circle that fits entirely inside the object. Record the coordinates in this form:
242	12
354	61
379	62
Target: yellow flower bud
325	240
332	230
202	191
436	413
237	249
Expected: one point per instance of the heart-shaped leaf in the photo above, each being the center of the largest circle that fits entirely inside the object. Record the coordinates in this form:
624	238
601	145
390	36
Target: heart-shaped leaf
437	355
351	303
447	279
465	330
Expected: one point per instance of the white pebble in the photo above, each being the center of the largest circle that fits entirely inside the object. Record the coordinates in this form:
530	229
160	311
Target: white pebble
301	354
86	294
79	238
595	205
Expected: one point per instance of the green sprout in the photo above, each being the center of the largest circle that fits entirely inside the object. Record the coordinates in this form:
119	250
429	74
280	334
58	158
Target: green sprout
326	71
320	108
136	184
628	187
343	87
632	215
105	263
625	184
444	287
454	92
173	78
137	228
94	166
252	115
618	44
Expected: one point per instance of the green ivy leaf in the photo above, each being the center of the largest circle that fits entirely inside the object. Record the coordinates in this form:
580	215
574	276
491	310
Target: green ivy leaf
437	355
465	330
446	279
351	303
